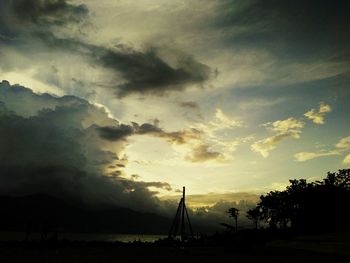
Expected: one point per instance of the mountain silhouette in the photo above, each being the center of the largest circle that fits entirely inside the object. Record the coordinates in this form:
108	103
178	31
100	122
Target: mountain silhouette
43	211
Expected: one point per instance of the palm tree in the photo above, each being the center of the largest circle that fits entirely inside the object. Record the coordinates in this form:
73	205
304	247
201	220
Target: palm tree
234	212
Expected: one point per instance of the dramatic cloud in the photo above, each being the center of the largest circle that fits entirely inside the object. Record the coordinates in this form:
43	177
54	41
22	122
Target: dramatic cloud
116	133
200	140
121	131
20	19
148	73
137	72
54	149
288	128
317	116
38	23
211	72
44	11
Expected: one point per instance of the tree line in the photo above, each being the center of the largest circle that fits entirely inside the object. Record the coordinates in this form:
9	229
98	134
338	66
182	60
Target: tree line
317	206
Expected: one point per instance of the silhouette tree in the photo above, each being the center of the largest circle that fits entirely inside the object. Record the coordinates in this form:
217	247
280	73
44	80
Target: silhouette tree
255	215
302	205
234	212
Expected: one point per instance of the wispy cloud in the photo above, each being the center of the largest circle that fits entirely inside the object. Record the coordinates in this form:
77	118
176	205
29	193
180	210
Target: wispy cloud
266	145
338	149
211	138
318	115
292	128
288	128
220	121
305	156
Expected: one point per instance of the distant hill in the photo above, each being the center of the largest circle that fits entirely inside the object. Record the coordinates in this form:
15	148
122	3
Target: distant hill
44	211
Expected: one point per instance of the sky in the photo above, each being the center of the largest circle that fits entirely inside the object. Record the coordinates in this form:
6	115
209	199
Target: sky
128	101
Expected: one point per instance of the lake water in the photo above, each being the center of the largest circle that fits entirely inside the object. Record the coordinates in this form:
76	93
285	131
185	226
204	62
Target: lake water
18	236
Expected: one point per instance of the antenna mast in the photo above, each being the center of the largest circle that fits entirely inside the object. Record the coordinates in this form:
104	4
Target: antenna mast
179	219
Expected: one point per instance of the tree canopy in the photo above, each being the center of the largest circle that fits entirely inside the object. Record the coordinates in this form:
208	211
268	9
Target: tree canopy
320	205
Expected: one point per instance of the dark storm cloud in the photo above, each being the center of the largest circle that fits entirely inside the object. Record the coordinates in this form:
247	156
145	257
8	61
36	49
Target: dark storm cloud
31	24
161	185
122	131
55	150
146	72
199	153
142	72
115	133
21	16
292	29
47	11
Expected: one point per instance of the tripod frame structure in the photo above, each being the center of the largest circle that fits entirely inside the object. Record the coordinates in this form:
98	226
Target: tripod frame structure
179	221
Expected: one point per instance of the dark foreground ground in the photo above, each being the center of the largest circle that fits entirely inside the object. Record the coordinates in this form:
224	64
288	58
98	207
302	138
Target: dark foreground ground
303	249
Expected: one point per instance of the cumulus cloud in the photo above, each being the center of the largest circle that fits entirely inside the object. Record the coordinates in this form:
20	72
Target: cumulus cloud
290	125
288	128
344	143
55	148
318	115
